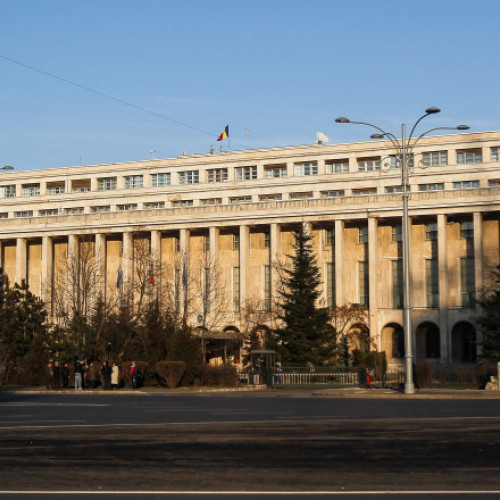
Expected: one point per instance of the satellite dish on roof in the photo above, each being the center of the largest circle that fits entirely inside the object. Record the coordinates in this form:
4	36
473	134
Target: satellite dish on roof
321	138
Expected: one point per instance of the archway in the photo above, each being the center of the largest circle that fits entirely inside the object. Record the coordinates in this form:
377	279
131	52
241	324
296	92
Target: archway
463	343
393	341
428	339
359	337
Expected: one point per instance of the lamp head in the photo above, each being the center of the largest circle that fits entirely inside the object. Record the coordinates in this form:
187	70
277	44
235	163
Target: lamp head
377	136
342	119
432	111
463	127
8	167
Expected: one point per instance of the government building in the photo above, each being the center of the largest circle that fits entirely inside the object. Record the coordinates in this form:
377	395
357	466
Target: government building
211	232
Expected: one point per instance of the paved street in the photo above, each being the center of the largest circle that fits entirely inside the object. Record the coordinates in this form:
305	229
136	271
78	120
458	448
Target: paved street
249	442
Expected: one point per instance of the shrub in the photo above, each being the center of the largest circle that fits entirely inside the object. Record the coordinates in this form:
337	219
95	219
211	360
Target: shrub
223	375
171	372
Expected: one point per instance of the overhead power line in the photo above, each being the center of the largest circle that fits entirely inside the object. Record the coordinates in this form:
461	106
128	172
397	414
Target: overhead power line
107	96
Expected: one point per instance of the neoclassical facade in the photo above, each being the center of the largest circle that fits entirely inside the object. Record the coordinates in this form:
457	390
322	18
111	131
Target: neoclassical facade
179	221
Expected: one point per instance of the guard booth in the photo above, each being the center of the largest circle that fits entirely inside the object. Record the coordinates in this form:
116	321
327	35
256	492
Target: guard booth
262	362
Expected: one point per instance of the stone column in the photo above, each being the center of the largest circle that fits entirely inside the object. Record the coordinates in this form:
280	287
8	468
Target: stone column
275	259
244	262
213	236
21	260
339	262
100	264
443	289
478	253
373	278
47	270
72	271
128	261
184	244
156	247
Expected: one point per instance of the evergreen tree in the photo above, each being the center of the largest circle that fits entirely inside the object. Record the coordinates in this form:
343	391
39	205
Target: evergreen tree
305	336
489	322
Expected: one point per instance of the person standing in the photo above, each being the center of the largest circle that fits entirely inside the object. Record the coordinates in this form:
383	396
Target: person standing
78	375
106	376
115	376
65	375
135	375
49	374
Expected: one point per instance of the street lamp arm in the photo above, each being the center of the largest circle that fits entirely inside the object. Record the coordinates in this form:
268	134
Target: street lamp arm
410	147
383	133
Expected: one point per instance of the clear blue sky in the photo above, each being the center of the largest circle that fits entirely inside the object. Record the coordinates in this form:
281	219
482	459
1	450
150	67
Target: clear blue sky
283	69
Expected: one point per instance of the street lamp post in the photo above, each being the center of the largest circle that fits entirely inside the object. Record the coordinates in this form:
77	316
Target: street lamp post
404	149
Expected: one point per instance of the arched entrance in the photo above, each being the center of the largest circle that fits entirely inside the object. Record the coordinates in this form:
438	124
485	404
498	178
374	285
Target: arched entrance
463	343
393	341
428	342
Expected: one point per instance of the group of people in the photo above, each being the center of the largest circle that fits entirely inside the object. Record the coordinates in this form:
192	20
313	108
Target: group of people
57	375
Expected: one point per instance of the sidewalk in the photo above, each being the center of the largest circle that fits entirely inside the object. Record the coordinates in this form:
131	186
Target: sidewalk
350	392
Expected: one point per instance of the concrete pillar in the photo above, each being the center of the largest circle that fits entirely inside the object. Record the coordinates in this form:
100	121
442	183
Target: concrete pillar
156	247
275	260
339	262
100	264
21	260
373	279
128	260
184	245
213	236
47	270
478	253
244	262
443	289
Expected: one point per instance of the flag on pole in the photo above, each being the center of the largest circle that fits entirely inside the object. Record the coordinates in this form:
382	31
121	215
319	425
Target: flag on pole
119	277
224	134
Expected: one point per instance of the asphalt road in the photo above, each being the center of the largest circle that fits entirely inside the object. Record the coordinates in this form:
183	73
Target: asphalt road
293	445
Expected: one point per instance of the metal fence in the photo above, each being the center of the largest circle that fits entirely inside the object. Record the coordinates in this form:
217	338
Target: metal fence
323	376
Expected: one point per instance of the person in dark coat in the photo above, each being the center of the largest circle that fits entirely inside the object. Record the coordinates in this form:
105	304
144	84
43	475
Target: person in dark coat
65	375
135	375
106	376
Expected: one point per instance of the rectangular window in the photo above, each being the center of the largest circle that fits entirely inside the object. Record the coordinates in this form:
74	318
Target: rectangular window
275	171
126	207
431	231
206	244
211	201
267	240
240	199
153	205
494	182
332	194
73	210
469	156
397	233
330	237
465	184
161	180
435	158
363	283
363	234
301	196
368	164
432	283
80	186
432	186
189	177
236	289
306	168
246	173
4	215
31	190
337	166
270	197
177	289
56	189
394	161
364	192
8	191
133	181
397	284
330	285
99	209
206	290
467	282
217	175
495	154
24	213
106	184
49	212
182	203
236	241
267	288
394	189
467	229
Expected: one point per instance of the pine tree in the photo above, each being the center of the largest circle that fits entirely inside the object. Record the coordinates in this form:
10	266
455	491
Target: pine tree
489	322
306	336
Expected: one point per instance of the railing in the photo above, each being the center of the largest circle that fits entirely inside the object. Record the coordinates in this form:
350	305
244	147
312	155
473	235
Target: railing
339	377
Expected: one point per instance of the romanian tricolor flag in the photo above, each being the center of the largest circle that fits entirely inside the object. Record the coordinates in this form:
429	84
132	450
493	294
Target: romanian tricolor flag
224	134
